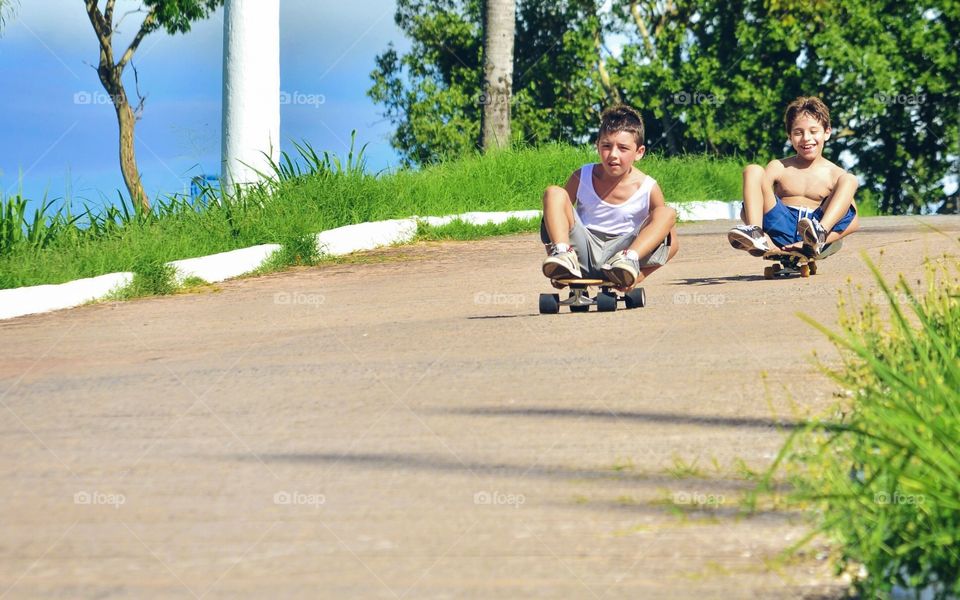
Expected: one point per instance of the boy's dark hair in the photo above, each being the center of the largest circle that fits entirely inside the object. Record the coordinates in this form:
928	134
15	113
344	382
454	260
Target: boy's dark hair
810	105
622	118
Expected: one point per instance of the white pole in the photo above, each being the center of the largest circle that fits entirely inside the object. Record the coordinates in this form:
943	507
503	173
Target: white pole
251	89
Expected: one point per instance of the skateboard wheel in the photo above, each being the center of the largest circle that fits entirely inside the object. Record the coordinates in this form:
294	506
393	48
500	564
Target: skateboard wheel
813	268
776	267
635	298
804	270
768	272
606	302
549	304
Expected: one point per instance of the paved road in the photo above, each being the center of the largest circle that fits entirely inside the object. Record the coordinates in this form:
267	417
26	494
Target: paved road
409	427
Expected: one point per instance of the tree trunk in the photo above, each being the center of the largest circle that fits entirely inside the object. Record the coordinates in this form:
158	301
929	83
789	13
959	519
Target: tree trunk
128	159
126	121
499	26
111	77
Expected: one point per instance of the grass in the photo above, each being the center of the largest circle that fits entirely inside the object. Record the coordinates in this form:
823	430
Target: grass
309	194
460	230
150	278
881	480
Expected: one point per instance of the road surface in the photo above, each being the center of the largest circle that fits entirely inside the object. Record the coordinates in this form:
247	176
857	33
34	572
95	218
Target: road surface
408	426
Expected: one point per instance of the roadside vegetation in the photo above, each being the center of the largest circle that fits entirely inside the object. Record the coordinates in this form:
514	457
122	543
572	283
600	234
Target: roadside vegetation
308	193
880	477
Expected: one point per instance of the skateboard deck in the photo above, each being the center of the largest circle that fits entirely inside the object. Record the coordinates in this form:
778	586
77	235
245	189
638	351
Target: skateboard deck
579	299
795	262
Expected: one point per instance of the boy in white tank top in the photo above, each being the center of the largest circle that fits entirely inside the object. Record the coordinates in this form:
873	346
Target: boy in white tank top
609	221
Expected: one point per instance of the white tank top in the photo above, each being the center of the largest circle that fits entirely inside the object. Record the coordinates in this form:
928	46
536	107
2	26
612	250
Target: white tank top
612	219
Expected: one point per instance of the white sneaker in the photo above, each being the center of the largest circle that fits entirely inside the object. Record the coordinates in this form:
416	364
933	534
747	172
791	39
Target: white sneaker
749	238
562	265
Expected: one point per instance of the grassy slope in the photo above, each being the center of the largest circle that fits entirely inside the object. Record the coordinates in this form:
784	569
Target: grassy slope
510	180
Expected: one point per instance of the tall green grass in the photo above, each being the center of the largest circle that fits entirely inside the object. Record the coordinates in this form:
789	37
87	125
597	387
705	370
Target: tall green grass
883	481
311	192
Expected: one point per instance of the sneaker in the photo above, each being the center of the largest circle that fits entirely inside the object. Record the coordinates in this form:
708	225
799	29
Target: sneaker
812	234
562	265
749	238
622	269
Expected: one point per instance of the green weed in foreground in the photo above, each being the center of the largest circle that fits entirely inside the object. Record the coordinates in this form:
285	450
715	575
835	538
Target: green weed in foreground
884	481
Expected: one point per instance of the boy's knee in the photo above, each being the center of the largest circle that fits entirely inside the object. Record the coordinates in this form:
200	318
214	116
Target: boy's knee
669	213
752	171
853	226
555	193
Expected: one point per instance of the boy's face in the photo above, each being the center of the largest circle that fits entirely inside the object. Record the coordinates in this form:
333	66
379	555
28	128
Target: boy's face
807	136
618	151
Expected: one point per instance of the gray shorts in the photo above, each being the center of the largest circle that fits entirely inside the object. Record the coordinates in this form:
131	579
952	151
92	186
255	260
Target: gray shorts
594	249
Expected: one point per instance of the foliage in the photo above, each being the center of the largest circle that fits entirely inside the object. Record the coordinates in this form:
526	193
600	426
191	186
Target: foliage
434	95
176	16
708	76
882	480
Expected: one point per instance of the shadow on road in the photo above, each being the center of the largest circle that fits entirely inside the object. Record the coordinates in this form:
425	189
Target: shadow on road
715	280
609	415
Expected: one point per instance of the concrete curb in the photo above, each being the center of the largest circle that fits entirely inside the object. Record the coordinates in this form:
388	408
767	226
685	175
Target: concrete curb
334	242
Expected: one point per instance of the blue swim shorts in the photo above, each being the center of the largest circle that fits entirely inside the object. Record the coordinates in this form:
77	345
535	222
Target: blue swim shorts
780	222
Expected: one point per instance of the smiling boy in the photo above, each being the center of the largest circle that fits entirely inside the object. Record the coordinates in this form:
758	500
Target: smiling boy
609	221
803	202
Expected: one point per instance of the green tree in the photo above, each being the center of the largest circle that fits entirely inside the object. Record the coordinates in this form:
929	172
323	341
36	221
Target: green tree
434	96
708	76
891	71
175	16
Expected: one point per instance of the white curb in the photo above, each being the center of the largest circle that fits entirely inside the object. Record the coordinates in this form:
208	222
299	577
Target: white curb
366	236
707	210
224	265
44	298
334	242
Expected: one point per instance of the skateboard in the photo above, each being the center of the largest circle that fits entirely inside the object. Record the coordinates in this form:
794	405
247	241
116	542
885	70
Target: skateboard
795	262
579	299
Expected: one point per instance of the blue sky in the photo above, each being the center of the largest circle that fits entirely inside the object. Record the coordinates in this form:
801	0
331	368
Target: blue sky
59	132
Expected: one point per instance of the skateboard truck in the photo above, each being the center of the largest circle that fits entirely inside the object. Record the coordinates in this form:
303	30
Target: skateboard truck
795	262
579	299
